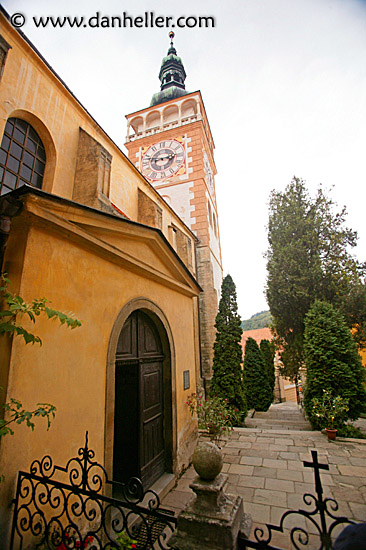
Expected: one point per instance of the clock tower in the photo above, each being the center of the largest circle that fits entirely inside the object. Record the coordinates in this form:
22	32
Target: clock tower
171	143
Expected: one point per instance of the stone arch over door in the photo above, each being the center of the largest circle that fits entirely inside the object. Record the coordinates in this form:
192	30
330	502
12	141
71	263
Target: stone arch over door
155	320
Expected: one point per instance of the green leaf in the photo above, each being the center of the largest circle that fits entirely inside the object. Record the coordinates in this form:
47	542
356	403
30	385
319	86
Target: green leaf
7	327
6	313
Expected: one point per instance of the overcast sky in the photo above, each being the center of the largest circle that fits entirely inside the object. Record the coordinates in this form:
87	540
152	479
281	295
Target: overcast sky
284	85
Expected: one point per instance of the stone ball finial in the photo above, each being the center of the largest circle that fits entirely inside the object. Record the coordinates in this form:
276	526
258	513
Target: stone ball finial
207	461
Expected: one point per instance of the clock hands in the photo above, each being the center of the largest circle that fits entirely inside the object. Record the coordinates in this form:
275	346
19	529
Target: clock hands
162	160
163	157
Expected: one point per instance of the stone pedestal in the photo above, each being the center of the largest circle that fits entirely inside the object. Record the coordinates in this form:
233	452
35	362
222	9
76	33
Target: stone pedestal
212	519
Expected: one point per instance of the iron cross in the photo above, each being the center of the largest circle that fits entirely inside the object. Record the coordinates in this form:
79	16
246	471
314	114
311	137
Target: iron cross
316	466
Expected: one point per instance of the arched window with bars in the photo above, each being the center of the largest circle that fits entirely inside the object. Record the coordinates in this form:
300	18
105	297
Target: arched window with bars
22	156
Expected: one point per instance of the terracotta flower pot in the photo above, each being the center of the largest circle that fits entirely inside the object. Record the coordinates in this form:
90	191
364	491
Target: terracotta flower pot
331	433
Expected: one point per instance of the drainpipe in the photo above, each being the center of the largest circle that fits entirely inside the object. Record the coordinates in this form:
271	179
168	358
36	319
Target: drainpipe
9	207
199	317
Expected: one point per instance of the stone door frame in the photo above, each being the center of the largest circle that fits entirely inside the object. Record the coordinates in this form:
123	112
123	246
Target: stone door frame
169	379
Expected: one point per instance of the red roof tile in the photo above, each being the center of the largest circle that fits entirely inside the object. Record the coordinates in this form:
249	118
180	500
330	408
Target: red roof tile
258	334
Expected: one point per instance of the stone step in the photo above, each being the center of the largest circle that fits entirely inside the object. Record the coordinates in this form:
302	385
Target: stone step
280	416
273	424
277	427
263	421
279	420
268	415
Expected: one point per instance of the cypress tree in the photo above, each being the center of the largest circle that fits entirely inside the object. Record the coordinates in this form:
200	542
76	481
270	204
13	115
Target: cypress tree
227	373
332	361
256	384
268	353
308	259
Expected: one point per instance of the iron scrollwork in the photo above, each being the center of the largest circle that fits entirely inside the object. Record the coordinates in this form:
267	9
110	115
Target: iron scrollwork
76	512
323	509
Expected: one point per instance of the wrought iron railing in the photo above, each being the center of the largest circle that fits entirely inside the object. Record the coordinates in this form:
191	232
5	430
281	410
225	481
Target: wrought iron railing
78	512
321	521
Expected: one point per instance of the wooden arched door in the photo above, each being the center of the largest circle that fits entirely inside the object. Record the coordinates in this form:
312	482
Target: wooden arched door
139	408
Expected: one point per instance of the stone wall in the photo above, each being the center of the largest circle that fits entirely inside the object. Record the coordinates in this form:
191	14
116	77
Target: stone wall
208	304
149	213
92	174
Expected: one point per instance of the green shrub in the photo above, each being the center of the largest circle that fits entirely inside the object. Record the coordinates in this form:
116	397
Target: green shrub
329	411
332	361
268	352
256	384
227	381
348	430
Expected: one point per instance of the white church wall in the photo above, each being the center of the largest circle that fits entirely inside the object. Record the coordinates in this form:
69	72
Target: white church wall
179	197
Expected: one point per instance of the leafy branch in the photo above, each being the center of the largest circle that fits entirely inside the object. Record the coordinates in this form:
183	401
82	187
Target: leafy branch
19	415
17	307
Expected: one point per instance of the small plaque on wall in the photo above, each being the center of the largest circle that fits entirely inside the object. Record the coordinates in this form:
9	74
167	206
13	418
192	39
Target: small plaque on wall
186	380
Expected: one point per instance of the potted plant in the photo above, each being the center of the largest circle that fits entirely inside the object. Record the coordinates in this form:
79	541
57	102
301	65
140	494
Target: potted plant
63	540
125	542
330	412
214	415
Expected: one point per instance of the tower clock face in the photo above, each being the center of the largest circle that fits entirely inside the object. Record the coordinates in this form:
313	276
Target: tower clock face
209	175
163	160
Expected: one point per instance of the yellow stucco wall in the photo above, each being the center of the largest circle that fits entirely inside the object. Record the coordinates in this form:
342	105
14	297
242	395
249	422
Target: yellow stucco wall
290	391
50	373
363	356
70	369
31	91
88	263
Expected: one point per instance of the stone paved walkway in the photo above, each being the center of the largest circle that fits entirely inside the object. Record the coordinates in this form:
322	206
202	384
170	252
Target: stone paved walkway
265	467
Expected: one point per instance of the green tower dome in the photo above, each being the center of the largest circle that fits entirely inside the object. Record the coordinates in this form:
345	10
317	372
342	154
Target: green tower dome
172	76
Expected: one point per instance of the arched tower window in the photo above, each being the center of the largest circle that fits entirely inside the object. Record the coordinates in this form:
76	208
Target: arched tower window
209	212
22	156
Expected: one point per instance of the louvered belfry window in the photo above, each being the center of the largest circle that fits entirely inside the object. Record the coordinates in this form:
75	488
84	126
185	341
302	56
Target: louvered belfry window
22	156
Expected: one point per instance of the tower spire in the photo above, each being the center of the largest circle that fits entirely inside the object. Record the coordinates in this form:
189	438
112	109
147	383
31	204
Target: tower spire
172	76
172	49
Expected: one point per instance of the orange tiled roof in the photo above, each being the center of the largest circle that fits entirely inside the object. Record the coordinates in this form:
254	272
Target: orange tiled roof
258	334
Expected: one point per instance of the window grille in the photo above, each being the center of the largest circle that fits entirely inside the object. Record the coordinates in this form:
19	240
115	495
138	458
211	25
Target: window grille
22	156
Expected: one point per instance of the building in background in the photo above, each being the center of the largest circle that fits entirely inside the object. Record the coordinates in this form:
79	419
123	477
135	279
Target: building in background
284	390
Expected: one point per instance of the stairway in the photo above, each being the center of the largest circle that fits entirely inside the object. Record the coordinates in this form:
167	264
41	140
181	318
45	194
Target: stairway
280	416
